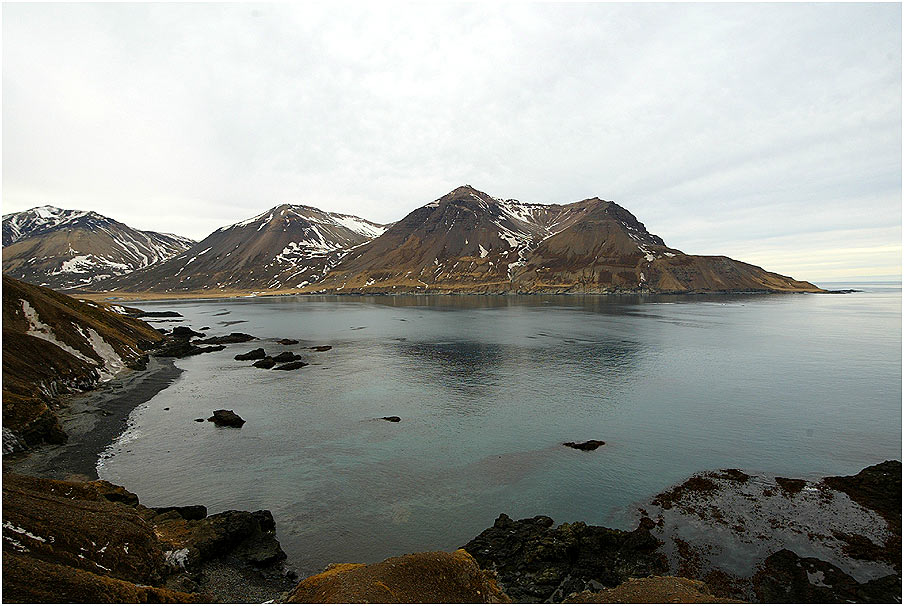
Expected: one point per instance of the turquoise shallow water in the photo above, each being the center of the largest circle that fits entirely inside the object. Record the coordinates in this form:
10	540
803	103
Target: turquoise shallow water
488	388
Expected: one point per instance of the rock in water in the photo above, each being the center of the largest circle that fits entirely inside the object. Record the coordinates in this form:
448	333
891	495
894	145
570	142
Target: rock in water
585	446
235	337
286	356
226	418
322	347
254	354
267	362
291	366
287	342
392	419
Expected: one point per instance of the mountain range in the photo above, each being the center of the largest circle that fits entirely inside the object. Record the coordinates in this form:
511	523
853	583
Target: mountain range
66	249
463	242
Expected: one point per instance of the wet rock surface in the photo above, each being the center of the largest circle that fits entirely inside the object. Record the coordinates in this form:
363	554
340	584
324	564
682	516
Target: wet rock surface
254	354
287	342
226	418
286	356
729	527
537	562
391	419
321	347
785	577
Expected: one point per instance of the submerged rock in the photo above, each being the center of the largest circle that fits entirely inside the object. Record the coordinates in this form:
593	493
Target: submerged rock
266	362
585	446
291	366
391	419
436	577
287	342
321	347
235	337
286	356
254	354
536	562
226	418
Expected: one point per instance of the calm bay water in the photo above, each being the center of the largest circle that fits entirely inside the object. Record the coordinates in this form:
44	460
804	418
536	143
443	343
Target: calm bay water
488	388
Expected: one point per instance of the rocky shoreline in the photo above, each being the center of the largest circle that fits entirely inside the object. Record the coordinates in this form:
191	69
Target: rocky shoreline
92	420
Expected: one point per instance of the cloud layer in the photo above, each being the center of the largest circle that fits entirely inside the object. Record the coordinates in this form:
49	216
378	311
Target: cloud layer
771	133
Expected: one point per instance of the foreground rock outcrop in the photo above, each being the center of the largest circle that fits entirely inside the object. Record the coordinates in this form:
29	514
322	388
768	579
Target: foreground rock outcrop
537	562
93	542
433	577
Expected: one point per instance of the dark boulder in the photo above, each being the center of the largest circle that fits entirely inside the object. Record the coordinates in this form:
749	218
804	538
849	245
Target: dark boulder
234	337
585	446
785	577
267	362
286	356
291	366
184	332
226	418
205	328
321	347
536	562
254	354
287	342
181	348
392	419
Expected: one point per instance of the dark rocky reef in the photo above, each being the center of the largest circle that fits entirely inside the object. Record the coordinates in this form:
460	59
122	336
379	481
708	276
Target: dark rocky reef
254	354
785	577
536	562
233	337
286	356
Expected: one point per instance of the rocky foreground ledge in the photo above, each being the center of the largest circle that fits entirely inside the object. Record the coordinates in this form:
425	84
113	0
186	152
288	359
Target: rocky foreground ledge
93	542
718	537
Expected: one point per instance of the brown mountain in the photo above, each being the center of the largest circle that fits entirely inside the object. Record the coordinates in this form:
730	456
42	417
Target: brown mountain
470	242
66	249
288	246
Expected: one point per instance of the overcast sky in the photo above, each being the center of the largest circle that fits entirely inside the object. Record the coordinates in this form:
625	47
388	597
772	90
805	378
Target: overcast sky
770	133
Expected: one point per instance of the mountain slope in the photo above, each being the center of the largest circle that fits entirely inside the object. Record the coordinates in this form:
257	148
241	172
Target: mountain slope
287	246
468	241
52	344
69	248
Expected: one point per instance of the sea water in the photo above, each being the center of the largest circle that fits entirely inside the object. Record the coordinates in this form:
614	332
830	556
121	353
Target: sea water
488	388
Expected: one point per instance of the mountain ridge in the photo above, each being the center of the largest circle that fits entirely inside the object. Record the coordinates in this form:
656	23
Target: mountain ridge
67	249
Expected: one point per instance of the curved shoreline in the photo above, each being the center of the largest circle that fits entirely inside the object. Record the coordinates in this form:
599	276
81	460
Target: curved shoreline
93	420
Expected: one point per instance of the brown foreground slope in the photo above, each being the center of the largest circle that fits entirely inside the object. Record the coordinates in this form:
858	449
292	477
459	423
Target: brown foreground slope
54	344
